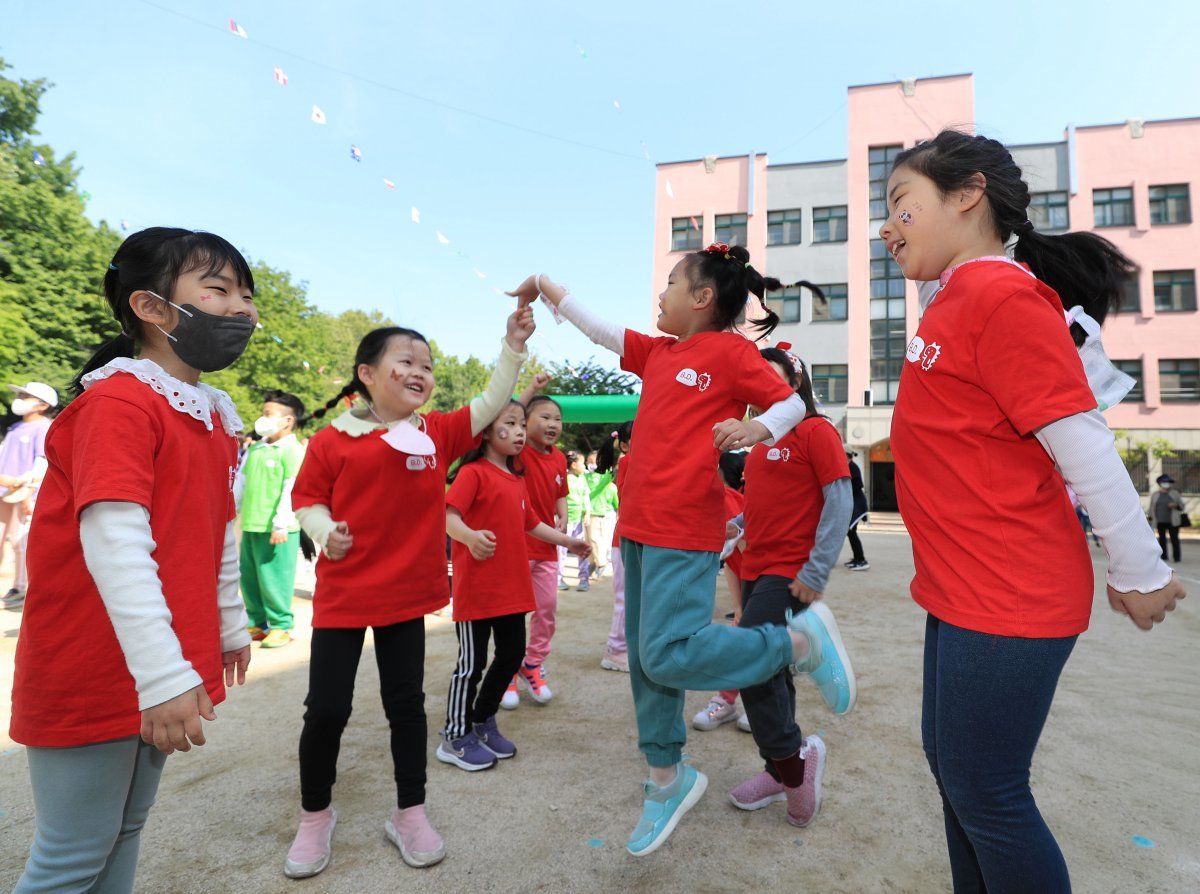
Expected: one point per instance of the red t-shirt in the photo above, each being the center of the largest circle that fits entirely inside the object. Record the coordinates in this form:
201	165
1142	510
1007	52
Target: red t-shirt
734	503
675	496
395	506
119	441
784	496
492	499
995	540
546	480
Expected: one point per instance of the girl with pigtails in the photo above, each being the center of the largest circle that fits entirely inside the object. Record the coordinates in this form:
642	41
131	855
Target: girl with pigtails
371	494
995	412
697	381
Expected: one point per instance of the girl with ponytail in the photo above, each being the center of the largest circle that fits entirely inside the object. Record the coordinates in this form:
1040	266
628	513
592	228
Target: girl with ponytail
697	381
994	414
371	494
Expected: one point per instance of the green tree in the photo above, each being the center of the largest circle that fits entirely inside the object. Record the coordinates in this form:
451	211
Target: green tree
587	377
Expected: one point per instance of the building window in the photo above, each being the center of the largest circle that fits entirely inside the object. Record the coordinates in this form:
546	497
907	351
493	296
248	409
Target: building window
1048	211
879	164
829	224
1132	368
1174	290
786	303
830	383
1179	380
1184	467
731	229
685	234
783	227
888	340
834	305
1170	204
1112	207
1130	301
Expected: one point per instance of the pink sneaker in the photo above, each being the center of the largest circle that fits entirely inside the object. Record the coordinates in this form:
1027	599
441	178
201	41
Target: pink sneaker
804	802
410	831
313	845
757	792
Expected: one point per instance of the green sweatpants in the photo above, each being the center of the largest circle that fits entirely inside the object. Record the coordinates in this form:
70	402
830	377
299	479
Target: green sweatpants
269	578
674	646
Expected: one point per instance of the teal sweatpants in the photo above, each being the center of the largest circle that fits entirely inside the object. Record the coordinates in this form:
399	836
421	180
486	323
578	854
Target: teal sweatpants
269	578
674	646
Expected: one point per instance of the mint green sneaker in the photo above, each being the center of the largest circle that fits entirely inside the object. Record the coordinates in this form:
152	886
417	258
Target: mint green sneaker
664	807
827	661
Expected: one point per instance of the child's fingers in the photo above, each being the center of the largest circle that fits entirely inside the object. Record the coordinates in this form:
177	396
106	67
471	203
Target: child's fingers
194	731
204	704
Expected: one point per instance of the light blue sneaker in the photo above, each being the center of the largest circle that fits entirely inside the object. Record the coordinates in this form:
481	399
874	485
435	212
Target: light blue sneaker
664	807
827	661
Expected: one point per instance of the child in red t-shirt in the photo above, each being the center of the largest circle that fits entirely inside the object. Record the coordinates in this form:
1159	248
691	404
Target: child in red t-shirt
612	455
546	481
371	494
696	384
994	413
488	512
133	623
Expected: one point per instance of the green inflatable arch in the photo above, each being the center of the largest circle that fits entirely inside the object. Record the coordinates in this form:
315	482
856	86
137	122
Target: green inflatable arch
597	407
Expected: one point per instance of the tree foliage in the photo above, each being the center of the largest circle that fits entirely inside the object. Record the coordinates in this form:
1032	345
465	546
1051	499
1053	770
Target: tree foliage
587	377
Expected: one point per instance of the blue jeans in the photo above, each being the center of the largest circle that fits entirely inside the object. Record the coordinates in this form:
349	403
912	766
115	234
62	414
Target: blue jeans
985	702
674	646
91	803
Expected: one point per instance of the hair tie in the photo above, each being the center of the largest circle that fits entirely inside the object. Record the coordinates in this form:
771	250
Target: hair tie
616	434
1025	227
112	266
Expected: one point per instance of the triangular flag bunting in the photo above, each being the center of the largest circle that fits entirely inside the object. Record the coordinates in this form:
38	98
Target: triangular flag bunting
416	215
235	28
280	76
318	117
388	183
442	239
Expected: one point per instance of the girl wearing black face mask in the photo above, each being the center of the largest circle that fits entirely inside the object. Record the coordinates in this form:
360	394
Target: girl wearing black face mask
133	625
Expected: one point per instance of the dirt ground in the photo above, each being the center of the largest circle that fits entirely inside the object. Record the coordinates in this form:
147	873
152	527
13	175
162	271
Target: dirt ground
1117	774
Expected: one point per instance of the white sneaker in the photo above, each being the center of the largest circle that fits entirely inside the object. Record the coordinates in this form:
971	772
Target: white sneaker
744	723
717	712
512	699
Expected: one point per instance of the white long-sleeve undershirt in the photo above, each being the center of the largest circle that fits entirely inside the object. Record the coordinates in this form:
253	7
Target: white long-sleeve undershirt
500	387
118	549
1084	450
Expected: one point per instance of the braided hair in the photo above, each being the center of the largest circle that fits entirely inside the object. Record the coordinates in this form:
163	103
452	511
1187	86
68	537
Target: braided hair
727	271
370	350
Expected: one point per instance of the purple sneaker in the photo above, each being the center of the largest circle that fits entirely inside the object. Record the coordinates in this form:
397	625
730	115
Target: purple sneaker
465	753
489	737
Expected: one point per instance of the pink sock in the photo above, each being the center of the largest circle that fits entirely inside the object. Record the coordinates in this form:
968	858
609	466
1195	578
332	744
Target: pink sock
413	827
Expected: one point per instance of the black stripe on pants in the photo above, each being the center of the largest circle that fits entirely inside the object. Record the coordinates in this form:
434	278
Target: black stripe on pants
400	656
464	707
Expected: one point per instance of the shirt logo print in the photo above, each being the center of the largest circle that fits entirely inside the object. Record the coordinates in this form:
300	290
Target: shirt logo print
703	381
687	376
915	347
778	453
415	463
930	355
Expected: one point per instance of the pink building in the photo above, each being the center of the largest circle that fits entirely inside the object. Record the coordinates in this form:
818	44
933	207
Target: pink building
819	221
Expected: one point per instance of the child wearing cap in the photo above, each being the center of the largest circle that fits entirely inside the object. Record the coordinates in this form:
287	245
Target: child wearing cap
22	466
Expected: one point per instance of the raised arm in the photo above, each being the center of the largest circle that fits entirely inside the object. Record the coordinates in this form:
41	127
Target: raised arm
601	332
486	407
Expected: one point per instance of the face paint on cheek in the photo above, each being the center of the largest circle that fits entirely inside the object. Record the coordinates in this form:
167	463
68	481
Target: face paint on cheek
906	218
502	434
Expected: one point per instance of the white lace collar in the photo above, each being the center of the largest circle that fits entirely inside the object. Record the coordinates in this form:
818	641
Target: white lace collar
197	401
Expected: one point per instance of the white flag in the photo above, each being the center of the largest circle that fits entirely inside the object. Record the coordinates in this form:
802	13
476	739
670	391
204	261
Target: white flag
318	117
416	215
442	239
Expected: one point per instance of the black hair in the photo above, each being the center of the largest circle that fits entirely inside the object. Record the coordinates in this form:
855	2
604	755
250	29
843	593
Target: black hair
477	453
800	382
290	401
606	456
153	260
731	278
370	350
538	399
733	468
1083	268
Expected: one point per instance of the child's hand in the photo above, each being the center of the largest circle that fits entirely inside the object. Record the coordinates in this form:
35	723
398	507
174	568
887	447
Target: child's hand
733	434
175	724
235	664
1147	609
278	536
578	547
520	328
339	542
540	381
482	544
526	293
803	591
732	530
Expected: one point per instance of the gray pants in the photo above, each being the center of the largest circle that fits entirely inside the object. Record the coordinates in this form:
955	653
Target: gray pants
771	705
91	803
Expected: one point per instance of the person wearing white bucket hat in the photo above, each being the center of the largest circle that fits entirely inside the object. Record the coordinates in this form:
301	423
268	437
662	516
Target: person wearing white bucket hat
22	465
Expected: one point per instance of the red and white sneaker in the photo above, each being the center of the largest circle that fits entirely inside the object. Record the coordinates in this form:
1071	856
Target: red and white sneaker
535	682
512	699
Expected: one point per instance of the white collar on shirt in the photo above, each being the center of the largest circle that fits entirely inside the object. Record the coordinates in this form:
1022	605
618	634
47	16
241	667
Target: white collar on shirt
197	401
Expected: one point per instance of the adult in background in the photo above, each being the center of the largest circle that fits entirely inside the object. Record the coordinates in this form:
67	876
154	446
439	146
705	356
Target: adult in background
1166	512
858	562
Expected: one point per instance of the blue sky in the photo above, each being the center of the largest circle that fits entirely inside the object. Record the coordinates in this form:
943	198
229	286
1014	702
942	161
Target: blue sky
176	121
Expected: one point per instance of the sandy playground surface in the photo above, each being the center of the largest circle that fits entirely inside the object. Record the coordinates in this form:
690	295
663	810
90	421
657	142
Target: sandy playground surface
1117	774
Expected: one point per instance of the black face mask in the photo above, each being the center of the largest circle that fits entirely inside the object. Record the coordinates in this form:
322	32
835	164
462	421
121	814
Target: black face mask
205	341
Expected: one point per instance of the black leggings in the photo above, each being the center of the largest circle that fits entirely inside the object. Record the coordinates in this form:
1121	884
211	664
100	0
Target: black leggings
400	655
1165	530
771	705
855	543
463	707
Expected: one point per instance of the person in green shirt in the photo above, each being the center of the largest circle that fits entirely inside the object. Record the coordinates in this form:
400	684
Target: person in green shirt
603	494
270	531
579	512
